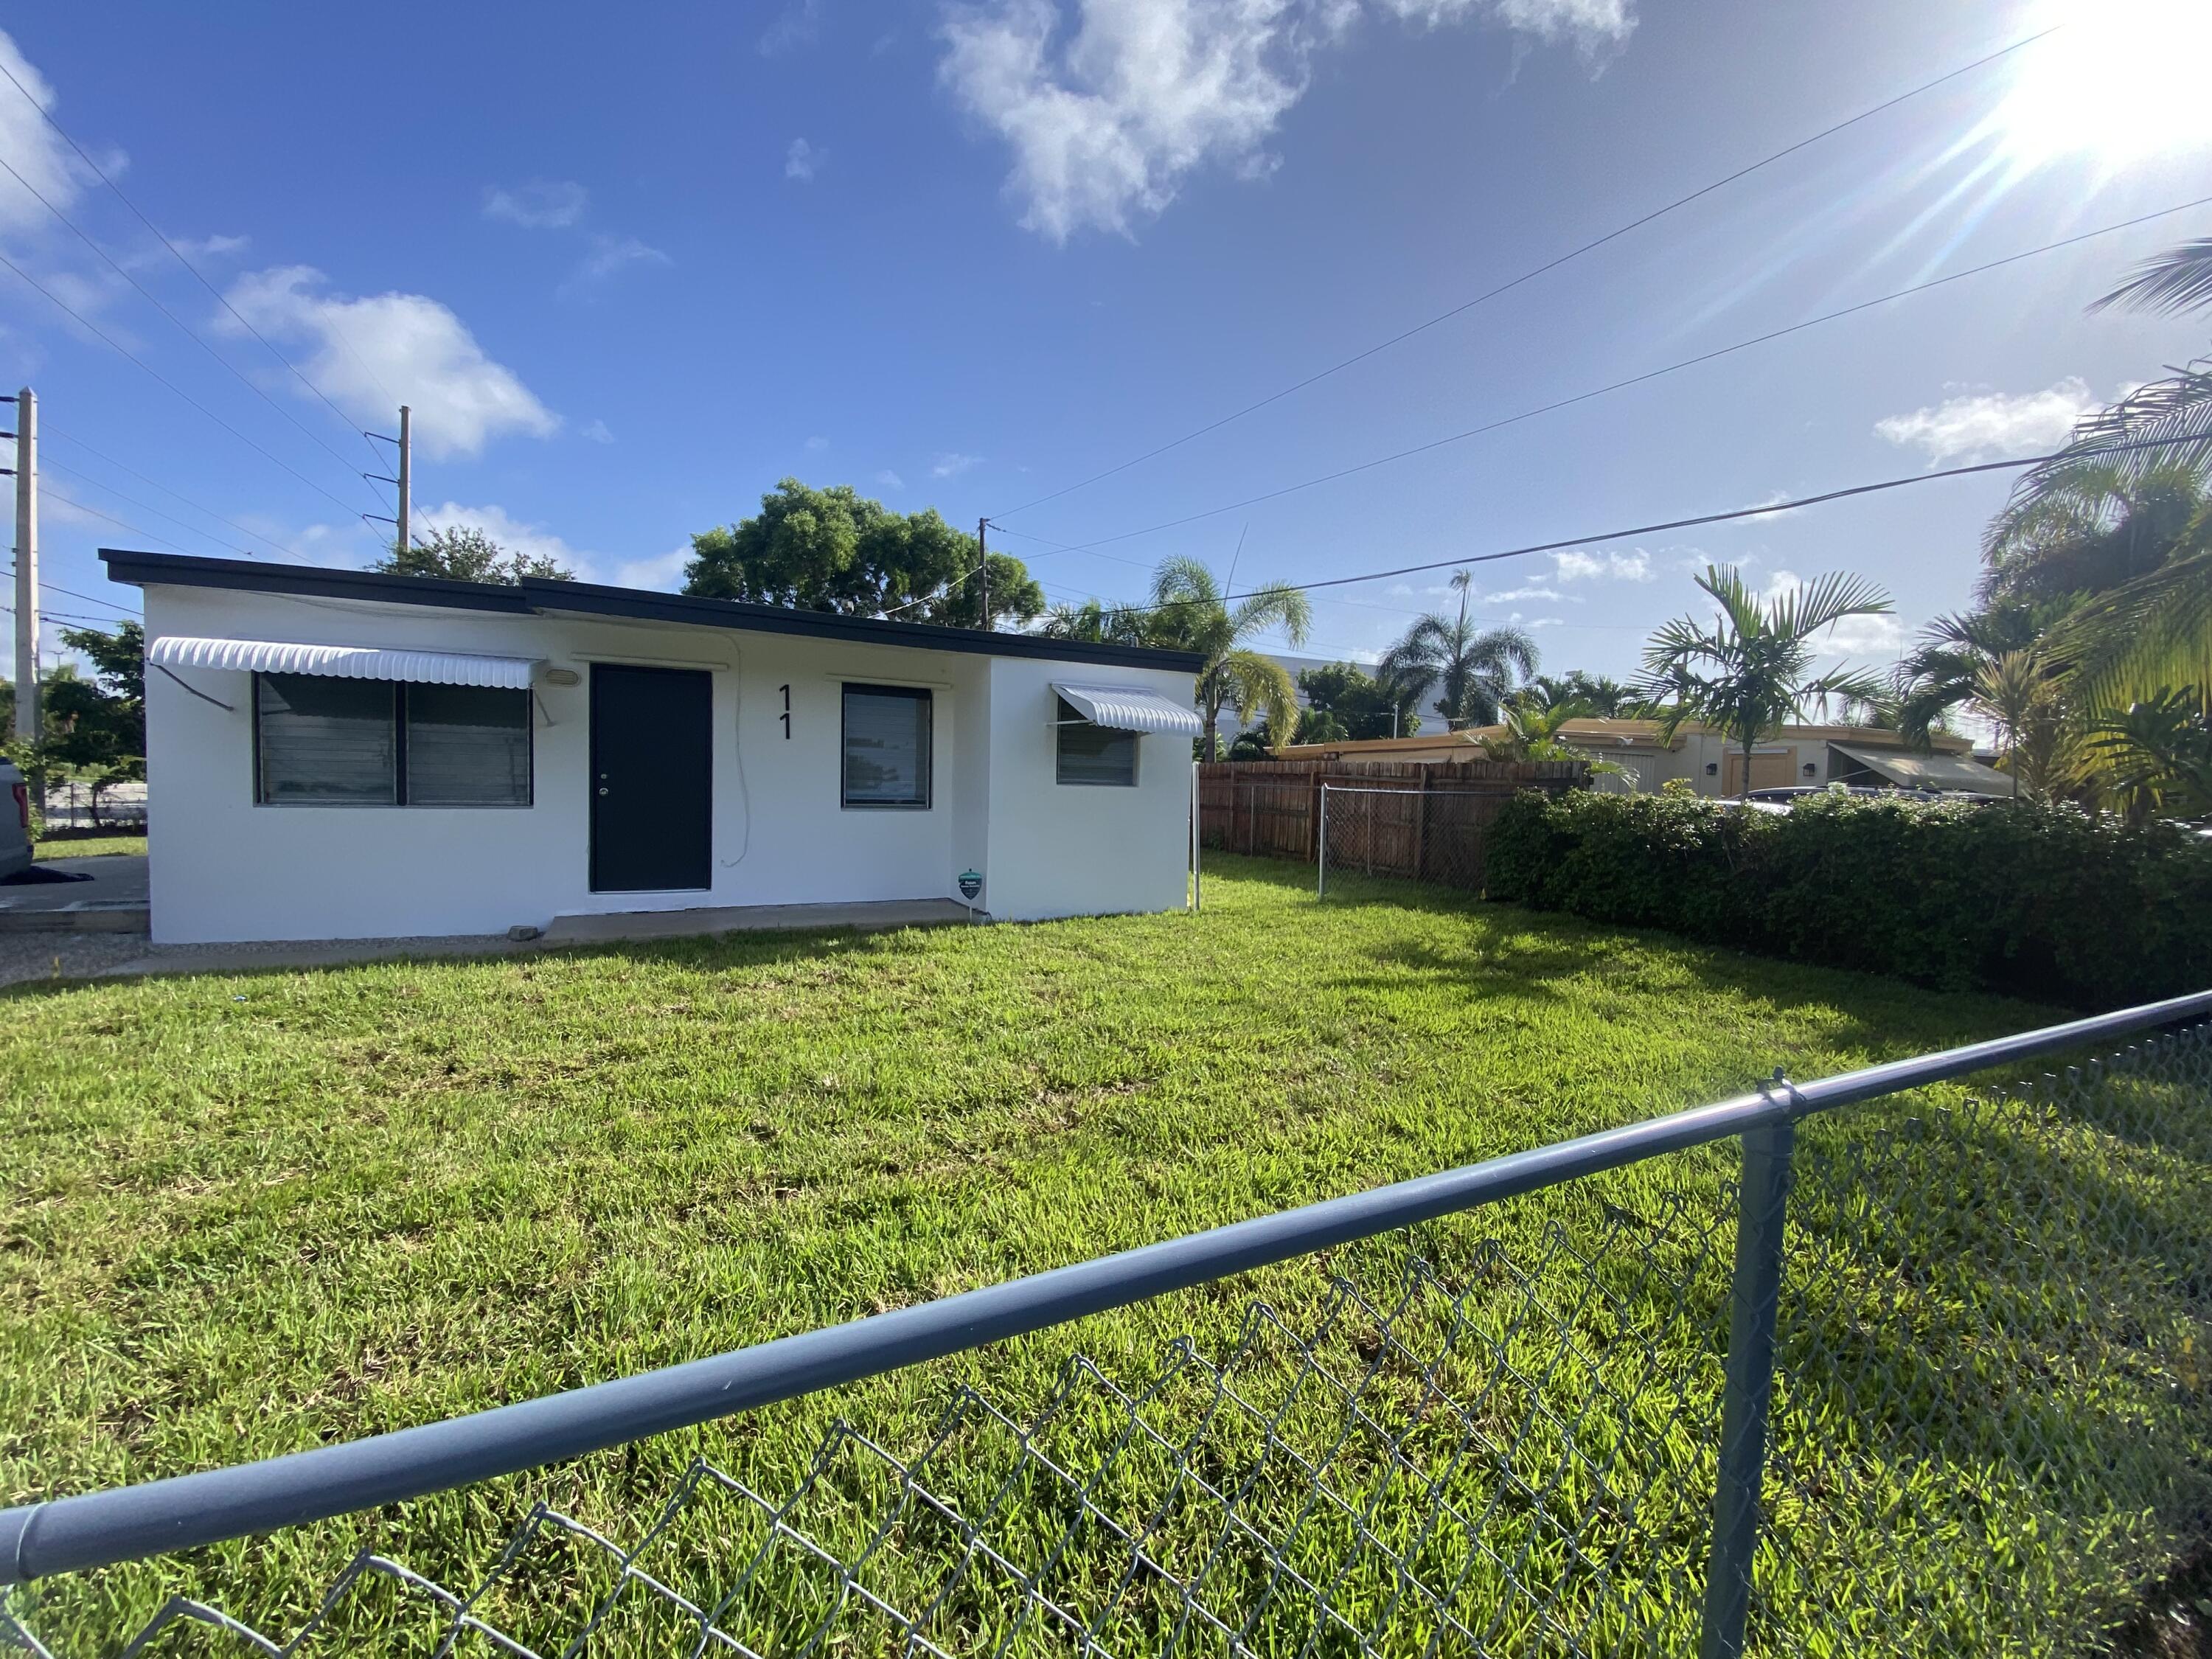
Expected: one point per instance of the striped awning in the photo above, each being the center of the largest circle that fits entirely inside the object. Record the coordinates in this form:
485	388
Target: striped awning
344	662
1130	708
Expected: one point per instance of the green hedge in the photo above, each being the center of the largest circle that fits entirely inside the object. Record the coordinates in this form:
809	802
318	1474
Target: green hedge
2039	902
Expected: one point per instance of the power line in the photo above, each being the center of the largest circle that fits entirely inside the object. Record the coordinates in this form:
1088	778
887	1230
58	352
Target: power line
90	598
145	507
1548	266
124	523
1637	379
47	430
221	298
1733	513
157	305
102	335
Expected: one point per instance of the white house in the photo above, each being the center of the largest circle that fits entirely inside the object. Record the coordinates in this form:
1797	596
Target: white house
336	754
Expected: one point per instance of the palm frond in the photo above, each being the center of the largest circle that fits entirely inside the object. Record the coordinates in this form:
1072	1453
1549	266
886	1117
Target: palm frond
1274	605
2151	634
2177	280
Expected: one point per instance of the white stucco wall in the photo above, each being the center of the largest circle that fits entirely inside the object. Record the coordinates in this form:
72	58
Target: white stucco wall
1073	849
224	868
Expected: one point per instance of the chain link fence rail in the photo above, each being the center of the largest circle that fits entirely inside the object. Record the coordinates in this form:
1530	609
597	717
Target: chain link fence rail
1921	1371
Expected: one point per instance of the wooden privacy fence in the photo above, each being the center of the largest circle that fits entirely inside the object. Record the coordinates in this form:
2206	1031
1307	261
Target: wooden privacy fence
1423	820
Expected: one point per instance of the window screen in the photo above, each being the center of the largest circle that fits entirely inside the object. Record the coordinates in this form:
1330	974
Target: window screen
886	745
1094	754
467	745
330	742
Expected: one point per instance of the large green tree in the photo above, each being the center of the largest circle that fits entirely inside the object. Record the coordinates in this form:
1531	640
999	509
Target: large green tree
462	553
1749	671
1356	704
835	549
1476	668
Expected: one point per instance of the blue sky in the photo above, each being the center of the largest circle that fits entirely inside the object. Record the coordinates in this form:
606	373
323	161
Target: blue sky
631	273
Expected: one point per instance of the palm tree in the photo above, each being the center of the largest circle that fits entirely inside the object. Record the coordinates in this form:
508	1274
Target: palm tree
1093	622
2098	526
1478	668
1749	671
1945	668
1190	612
2153	628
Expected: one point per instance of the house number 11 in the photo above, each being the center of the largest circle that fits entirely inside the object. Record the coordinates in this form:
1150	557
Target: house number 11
786	715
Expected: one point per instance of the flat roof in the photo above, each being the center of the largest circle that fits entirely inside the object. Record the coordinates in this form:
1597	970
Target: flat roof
538	597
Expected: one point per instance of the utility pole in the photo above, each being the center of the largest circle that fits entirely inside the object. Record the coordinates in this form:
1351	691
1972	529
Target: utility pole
983	568
406	458
27	565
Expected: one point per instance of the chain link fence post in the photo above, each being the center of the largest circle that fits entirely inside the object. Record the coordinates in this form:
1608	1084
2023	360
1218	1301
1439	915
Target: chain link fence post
1754	1302
1321	843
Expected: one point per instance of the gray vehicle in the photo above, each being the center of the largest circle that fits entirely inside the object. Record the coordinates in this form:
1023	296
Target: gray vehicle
14	820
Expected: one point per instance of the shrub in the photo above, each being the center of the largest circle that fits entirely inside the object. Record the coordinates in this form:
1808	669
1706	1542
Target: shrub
2040	901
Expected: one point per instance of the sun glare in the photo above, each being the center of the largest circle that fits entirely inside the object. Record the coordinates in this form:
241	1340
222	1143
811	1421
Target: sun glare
2123	80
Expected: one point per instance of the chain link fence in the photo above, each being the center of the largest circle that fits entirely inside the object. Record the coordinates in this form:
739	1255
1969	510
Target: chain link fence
1434	835
1923	1373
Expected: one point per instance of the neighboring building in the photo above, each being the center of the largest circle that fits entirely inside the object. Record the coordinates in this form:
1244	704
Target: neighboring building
1797	756
340	755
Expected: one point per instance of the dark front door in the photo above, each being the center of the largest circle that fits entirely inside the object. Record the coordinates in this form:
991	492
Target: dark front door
652	765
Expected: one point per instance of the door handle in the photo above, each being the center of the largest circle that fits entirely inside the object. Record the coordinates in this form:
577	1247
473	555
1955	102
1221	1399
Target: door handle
602	789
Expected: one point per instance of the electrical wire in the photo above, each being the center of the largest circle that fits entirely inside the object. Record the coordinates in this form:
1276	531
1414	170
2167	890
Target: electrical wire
48	429
222	299
124	524
1675	367
1763	510
108	339
191	332
1544	269
50	464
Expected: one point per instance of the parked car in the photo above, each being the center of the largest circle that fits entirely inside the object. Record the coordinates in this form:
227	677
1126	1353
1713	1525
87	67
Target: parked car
15	821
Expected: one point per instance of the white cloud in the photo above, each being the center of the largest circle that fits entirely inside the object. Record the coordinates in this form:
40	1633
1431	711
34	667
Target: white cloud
1506	596
1991	423
801	160
890	480
610	256
34	150
952	465
599	432
817	444
1108	116
541	205
799	24
374	353
210	247
516	536
1399	591
1547	621
1854	637
1611	565
663	570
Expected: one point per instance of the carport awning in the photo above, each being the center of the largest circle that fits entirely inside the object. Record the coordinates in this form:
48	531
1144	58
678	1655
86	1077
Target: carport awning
344	662
1949	772
1128	708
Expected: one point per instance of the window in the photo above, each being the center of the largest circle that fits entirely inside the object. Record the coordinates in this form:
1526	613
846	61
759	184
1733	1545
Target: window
1094	754
327	742
886	745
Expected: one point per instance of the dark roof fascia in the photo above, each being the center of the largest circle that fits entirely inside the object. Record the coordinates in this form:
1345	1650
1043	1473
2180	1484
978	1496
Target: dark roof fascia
537	596
590	599
252	576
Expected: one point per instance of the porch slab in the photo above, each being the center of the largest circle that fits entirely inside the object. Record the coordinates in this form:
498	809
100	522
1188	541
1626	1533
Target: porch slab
611	927
607	929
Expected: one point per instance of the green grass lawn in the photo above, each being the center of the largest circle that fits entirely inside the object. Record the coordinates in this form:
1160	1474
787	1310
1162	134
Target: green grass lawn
87	845
243	1215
